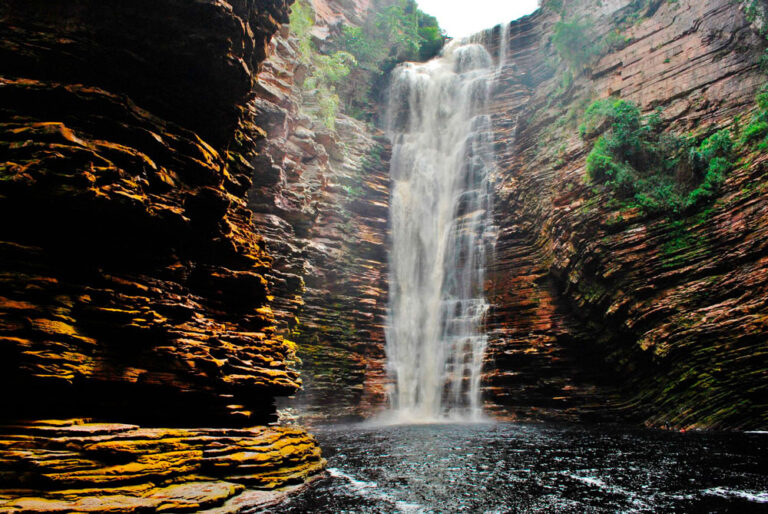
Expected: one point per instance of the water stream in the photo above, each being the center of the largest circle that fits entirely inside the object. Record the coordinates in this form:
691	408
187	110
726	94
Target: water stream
441	233
503	45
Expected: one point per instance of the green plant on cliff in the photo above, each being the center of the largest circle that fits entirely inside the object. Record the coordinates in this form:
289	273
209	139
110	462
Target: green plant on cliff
398	31
301	21
350	74
327	71
573	41
757	129
641	164
754	10
374	157
712	160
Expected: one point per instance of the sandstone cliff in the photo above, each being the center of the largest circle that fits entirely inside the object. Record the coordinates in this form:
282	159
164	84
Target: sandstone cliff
323	210
599	309
598	314
133	287
175	218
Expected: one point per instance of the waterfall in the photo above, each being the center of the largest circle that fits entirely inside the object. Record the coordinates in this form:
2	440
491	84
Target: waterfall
441	233
503	45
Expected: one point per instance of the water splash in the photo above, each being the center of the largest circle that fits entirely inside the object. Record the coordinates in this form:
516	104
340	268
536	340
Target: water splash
441	233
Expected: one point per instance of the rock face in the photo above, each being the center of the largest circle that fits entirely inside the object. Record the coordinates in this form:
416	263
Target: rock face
96	467
600	311
323	210
133	285
597	314
174	219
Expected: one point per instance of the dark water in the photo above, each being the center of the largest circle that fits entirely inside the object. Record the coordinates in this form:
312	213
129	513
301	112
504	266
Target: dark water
498	468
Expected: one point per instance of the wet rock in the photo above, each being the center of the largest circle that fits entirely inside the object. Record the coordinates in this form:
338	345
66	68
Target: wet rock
325	220
79	466
133	284
600	311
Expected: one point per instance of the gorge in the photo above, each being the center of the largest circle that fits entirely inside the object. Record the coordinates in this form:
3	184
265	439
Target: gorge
224	219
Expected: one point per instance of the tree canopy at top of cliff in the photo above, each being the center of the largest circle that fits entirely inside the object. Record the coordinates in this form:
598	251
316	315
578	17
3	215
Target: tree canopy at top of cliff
350	70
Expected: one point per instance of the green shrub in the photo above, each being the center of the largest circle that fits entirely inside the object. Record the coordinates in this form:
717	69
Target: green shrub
757	130
755	13
754	131
399	32
596	115
301	21
718	146
639	163
361	56
330	69
573	42
328	107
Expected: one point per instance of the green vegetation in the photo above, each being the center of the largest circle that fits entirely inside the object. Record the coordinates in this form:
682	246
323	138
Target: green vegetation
374	157
351	73
755	13
327	70
301	21
573	42
683	242
398	32
645	166
757	130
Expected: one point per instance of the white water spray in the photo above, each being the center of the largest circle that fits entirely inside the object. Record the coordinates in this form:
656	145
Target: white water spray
441	233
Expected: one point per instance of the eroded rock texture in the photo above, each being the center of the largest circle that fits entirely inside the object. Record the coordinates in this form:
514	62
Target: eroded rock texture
96	467
592	318
133	286
675	307
323	210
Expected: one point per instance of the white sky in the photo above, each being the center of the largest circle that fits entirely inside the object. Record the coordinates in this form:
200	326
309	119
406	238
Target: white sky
461	18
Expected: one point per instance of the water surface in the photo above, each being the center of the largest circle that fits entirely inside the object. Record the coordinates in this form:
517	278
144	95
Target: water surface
497	468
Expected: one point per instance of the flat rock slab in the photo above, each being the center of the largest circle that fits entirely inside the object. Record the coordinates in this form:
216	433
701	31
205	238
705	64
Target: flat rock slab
78	466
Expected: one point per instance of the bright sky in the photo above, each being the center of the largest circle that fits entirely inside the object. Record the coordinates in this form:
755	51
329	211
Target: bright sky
462	18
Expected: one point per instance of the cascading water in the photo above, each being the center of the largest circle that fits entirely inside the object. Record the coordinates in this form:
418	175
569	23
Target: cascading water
441	171
503	45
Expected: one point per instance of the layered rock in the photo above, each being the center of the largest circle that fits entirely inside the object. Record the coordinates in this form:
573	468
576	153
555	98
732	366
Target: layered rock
564	343
581	293
97	467
324	211
671	310
134	287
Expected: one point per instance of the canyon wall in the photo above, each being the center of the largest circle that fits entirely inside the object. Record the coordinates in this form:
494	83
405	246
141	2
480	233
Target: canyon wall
601	310
182	236
323	210
598	313
134	289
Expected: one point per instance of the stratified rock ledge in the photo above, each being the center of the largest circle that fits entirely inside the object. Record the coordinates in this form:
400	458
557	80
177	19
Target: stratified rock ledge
98	467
